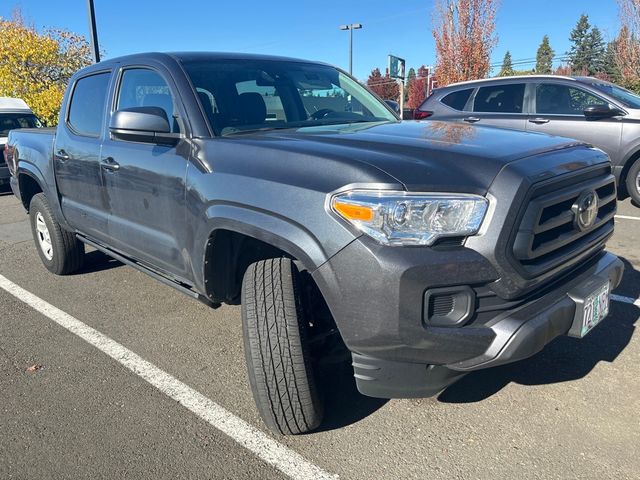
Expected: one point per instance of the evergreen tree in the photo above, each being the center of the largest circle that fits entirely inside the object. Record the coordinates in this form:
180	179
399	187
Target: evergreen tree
544	57
580	51
610	63
597	51
411	76
507	66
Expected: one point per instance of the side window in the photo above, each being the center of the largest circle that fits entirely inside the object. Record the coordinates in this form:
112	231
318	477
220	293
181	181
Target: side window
503	98
457	100
141	87
252	97
86	110
563	100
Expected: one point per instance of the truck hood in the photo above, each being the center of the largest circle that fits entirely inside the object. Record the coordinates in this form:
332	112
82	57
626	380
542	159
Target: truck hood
431	155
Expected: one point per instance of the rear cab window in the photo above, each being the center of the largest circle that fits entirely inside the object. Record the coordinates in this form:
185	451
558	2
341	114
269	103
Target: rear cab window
502	98
249	92
87	105
458	99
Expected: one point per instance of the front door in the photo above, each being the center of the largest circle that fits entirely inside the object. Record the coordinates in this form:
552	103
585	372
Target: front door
145	182
559	111
77	156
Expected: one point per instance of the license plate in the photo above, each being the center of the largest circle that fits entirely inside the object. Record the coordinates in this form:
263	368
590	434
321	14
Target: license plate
596	307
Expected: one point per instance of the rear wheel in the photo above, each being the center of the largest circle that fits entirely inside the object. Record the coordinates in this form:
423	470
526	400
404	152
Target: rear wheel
60	251
276	349
633	182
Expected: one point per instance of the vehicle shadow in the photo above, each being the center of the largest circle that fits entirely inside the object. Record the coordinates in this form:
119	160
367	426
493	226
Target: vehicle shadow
563	360
344	405
96	261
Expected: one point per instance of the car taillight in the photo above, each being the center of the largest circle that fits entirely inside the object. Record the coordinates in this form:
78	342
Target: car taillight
421	114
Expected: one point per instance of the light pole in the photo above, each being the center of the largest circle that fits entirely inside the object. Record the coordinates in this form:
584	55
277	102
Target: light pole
93	33
351	28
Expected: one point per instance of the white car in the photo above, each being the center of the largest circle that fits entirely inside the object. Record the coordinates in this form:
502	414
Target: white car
14	113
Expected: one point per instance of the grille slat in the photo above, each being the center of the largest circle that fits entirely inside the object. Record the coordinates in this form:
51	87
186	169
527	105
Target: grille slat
548	233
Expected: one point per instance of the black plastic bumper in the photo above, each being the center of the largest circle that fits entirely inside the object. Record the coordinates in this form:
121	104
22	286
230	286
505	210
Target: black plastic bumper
400	369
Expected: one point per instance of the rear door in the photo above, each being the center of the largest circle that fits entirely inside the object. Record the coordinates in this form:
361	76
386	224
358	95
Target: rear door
500	105
558	110
145	182
77	155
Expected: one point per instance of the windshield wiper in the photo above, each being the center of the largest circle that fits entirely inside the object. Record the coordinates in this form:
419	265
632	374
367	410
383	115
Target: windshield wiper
253	130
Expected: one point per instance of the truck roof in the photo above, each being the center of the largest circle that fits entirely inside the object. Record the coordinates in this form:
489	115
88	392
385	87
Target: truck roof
9	104
189	56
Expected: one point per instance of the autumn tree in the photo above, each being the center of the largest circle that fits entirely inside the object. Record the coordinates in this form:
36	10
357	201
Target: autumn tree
627	44
544	57
418	88
507	66
464	33
36	66
385	86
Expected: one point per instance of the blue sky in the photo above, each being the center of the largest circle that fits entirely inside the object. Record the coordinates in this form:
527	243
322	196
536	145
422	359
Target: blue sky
309	29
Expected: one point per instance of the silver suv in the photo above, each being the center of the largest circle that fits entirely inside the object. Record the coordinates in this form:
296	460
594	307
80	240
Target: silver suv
585	108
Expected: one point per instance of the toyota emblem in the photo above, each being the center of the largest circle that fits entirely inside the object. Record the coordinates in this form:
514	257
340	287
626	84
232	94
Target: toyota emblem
585	210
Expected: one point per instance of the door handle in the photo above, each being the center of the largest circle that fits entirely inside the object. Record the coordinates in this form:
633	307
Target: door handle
471	119
62	155
538	121
110	164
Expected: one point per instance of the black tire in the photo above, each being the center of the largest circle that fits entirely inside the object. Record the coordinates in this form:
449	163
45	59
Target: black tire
275	332
67	252
633	182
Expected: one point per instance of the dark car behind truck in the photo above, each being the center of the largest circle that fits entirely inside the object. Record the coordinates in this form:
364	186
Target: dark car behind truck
428	249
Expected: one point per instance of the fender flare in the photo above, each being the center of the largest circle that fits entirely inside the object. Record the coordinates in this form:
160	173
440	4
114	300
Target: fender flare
32	170
290	237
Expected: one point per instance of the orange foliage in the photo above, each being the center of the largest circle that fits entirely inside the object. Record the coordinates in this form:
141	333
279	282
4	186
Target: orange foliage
464	32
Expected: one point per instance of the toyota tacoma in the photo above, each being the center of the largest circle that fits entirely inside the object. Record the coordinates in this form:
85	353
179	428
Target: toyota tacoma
426	250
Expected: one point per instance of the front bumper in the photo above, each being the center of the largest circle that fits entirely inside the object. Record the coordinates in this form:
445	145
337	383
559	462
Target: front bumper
395	355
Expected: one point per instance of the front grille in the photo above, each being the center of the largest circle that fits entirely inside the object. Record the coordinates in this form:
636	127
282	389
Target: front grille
2	162
549	233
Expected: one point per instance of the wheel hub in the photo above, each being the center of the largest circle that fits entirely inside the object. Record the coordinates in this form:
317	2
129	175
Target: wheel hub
44	239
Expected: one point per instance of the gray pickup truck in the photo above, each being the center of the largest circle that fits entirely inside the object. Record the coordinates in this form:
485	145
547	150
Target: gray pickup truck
427	249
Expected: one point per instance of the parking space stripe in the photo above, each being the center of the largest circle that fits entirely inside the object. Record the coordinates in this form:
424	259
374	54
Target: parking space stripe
627	217
623	299
266	448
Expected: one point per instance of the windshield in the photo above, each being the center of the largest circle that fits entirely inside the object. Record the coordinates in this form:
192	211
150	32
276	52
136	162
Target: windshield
248	95
11	121
627	98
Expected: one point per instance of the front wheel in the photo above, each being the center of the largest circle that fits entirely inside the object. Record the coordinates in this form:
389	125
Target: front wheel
633	182
60	251
275	344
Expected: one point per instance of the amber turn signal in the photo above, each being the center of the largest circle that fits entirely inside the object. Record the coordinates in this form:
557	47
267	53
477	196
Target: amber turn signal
354	212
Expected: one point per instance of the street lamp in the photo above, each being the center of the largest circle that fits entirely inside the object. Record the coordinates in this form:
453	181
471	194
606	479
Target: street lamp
351	28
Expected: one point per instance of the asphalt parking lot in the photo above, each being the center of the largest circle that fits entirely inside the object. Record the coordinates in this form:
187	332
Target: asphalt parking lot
69	410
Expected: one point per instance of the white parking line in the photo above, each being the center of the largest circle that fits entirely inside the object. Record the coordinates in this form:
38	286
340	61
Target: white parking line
266	448
627	217
620	298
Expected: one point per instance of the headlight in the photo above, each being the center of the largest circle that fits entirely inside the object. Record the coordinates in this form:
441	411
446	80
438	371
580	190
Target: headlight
403	218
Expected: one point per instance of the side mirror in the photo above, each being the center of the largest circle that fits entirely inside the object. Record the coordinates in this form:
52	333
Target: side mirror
395	106
597	112
143	124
